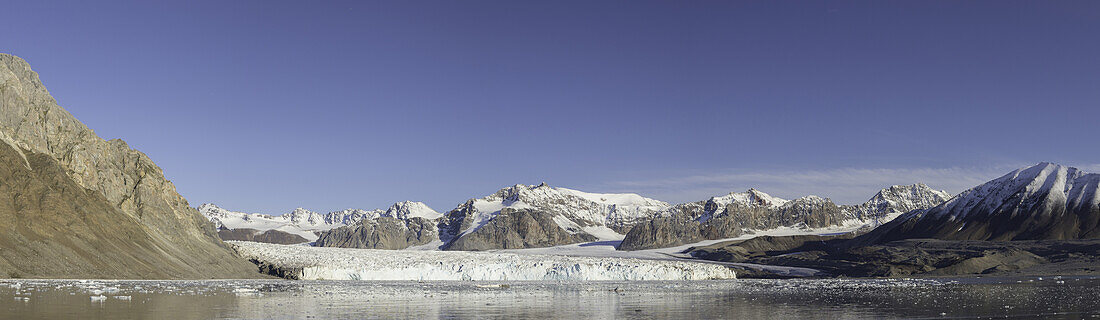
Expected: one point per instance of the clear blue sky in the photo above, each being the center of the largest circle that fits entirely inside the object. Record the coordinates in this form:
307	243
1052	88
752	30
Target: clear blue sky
264	106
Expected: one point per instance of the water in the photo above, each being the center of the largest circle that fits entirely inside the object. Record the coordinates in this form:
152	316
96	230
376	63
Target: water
1072	298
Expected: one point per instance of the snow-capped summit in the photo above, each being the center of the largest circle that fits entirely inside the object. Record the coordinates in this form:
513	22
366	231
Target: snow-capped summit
302	216
1044	201
1046	185
752	197
895	200
608	209
577	213
306	223
410	209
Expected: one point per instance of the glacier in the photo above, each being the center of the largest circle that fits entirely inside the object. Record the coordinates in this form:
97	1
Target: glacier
322	263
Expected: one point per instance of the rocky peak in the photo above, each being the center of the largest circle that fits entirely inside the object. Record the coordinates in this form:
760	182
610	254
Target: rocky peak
510	193
892	201
410	209
300	215
210	208
750	198
568	209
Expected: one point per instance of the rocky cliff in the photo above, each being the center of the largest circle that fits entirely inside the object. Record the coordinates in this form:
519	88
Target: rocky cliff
385	232
125	200
519	229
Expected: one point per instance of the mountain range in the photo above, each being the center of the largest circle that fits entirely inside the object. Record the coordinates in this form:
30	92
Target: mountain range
532	216
1046	201
73	205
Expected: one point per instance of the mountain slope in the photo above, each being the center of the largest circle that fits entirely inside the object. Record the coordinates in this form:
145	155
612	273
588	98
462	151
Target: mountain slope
131	204
1042	202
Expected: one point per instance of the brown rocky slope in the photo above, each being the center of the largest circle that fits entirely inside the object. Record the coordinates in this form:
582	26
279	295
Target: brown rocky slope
78	206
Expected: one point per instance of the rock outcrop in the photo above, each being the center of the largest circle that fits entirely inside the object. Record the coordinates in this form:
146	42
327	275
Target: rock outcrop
519	229
267	236
139	209
734	214
381	233
671	231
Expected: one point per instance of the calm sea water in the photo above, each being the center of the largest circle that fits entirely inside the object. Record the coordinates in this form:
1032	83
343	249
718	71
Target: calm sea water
1072	298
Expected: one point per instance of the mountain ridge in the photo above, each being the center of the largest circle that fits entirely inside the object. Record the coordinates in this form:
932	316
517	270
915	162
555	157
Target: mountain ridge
736	213
1046	201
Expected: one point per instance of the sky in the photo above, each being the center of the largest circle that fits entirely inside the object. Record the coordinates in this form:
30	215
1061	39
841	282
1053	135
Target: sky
264	106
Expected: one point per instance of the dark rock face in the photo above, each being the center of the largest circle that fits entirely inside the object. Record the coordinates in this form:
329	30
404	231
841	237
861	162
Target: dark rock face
269	236
518	229
1042	202
116	216
711	221
663	232
809	212
381	233
452	224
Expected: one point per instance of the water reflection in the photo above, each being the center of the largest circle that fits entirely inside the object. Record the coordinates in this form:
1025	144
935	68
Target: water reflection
756	299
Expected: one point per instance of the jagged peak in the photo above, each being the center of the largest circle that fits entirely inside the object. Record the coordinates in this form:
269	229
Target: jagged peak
919	190
810	198
749	197
207	206
300	210
410	209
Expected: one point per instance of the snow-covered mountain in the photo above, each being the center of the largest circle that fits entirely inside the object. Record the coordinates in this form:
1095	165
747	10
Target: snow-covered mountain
751	211
1044	201
529	216
891	202
411	209
306	223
